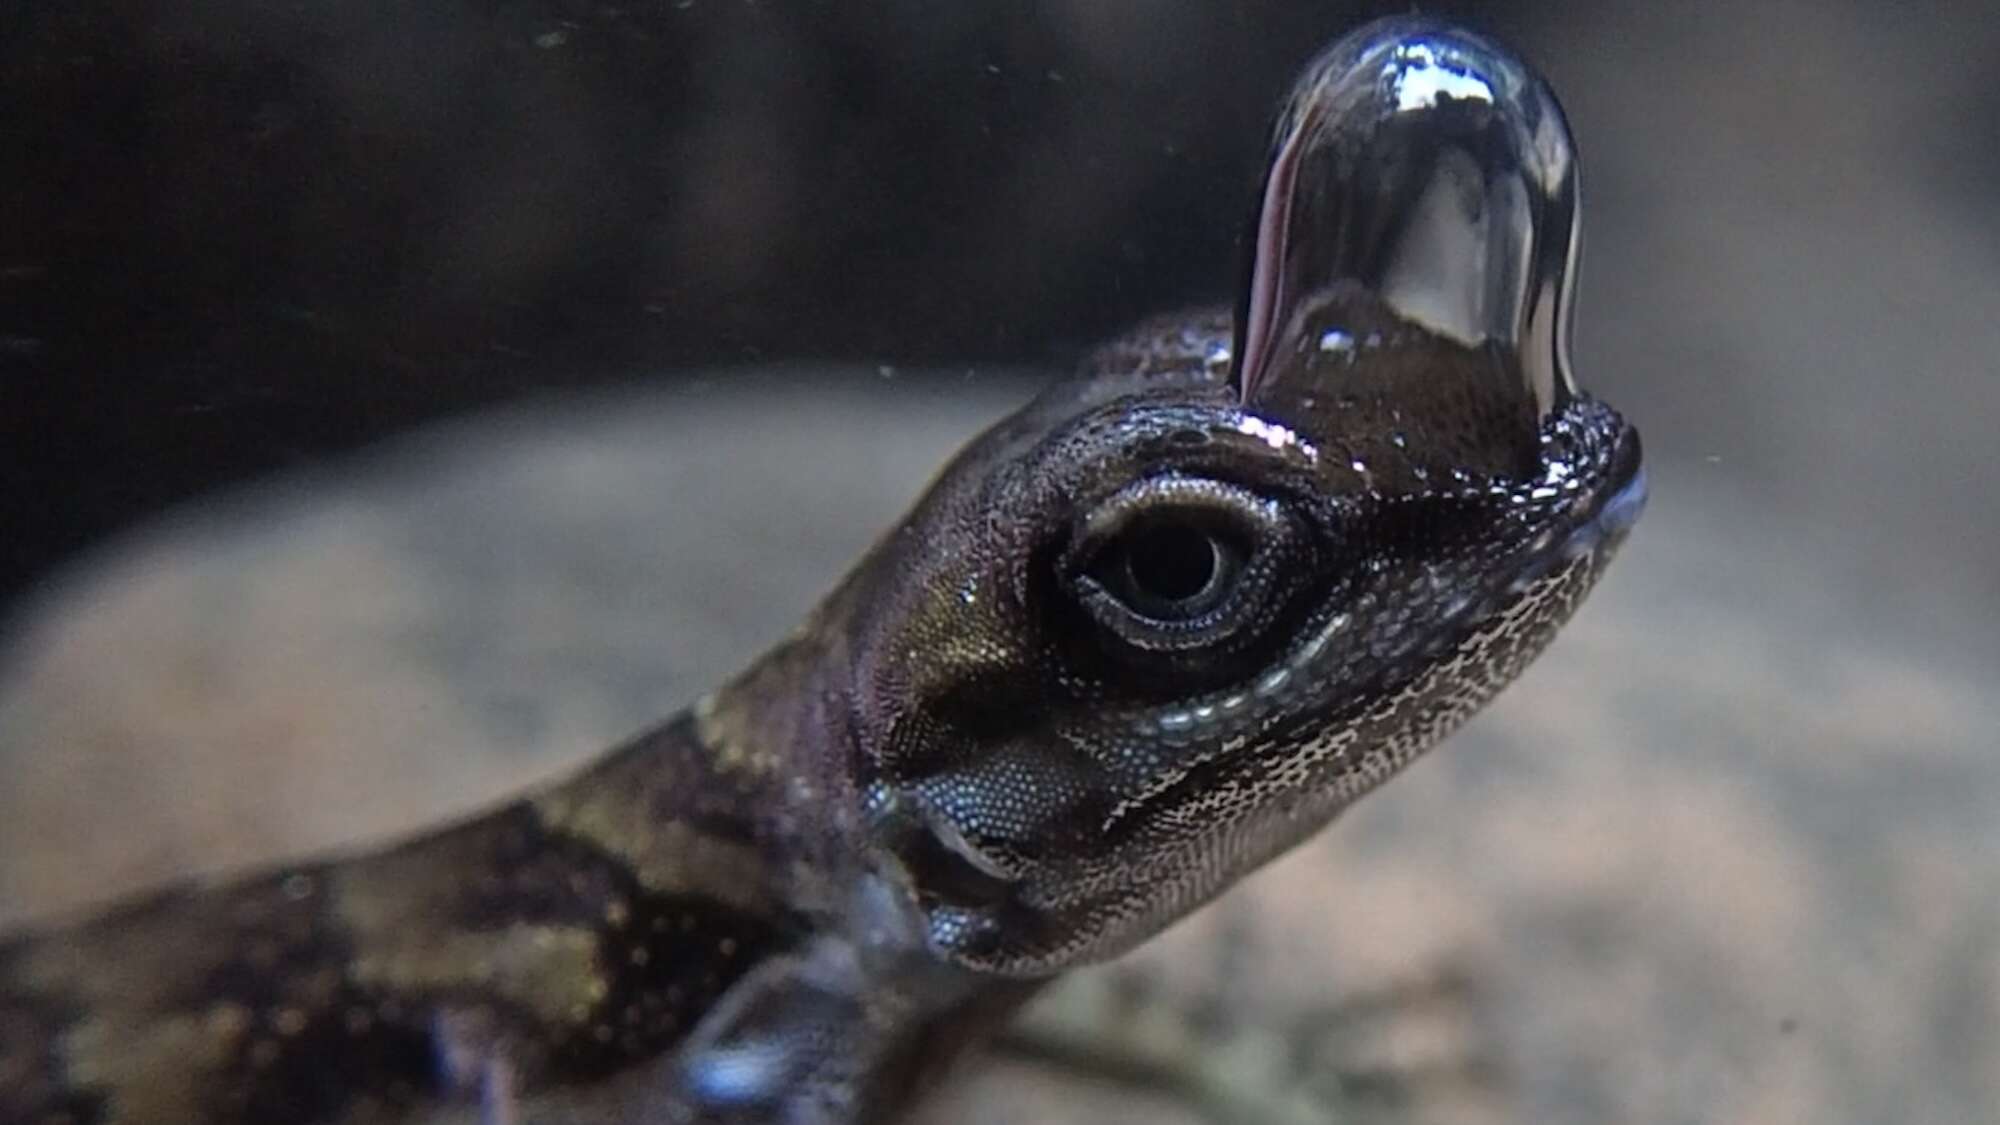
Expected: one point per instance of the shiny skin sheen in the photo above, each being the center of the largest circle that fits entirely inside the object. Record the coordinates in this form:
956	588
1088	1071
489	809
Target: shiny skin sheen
1070	795
1158	626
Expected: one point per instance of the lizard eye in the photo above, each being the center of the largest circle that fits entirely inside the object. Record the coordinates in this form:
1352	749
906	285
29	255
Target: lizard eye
1173	566
1176	564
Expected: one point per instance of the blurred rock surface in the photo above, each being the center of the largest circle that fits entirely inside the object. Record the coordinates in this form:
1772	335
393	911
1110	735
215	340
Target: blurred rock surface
1725	854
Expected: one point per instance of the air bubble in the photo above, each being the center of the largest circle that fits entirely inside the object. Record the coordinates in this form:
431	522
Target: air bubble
1431	171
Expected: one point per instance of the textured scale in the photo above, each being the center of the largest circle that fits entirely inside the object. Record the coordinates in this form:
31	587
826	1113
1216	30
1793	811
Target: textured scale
1159	626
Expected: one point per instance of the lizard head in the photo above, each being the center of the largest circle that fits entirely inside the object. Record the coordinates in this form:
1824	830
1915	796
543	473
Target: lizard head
1180	611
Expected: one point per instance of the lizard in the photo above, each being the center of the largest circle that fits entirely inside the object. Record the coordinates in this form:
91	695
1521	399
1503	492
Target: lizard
1137	639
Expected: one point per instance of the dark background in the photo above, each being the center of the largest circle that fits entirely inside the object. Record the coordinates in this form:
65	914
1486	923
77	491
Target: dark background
1726	853
240	235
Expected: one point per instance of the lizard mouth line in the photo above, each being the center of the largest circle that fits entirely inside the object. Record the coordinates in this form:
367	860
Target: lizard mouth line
1595	531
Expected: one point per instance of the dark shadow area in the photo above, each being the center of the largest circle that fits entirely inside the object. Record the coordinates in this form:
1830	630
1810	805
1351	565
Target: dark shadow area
241	235
1726	853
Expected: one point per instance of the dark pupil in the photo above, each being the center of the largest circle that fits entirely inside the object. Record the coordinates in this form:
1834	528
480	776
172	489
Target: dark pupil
1171	561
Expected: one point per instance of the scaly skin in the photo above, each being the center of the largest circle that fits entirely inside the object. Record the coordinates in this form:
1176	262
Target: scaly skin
1157	627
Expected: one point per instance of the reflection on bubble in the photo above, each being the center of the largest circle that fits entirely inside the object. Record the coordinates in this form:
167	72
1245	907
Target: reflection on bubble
1427	174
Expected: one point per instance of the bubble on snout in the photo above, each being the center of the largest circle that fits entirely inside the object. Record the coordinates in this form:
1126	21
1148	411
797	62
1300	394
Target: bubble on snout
1422	179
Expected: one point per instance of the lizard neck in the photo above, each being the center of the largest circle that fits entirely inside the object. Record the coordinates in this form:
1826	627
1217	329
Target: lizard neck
752	798
748	796
696	917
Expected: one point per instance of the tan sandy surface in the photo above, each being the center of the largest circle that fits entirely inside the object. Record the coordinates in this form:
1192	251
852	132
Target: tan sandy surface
1727	854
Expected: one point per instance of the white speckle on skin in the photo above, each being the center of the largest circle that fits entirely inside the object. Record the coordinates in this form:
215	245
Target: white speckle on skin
1270	683
1270	433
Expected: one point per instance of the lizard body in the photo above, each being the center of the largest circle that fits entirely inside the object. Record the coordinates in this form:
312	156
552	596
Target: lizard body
1137	639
